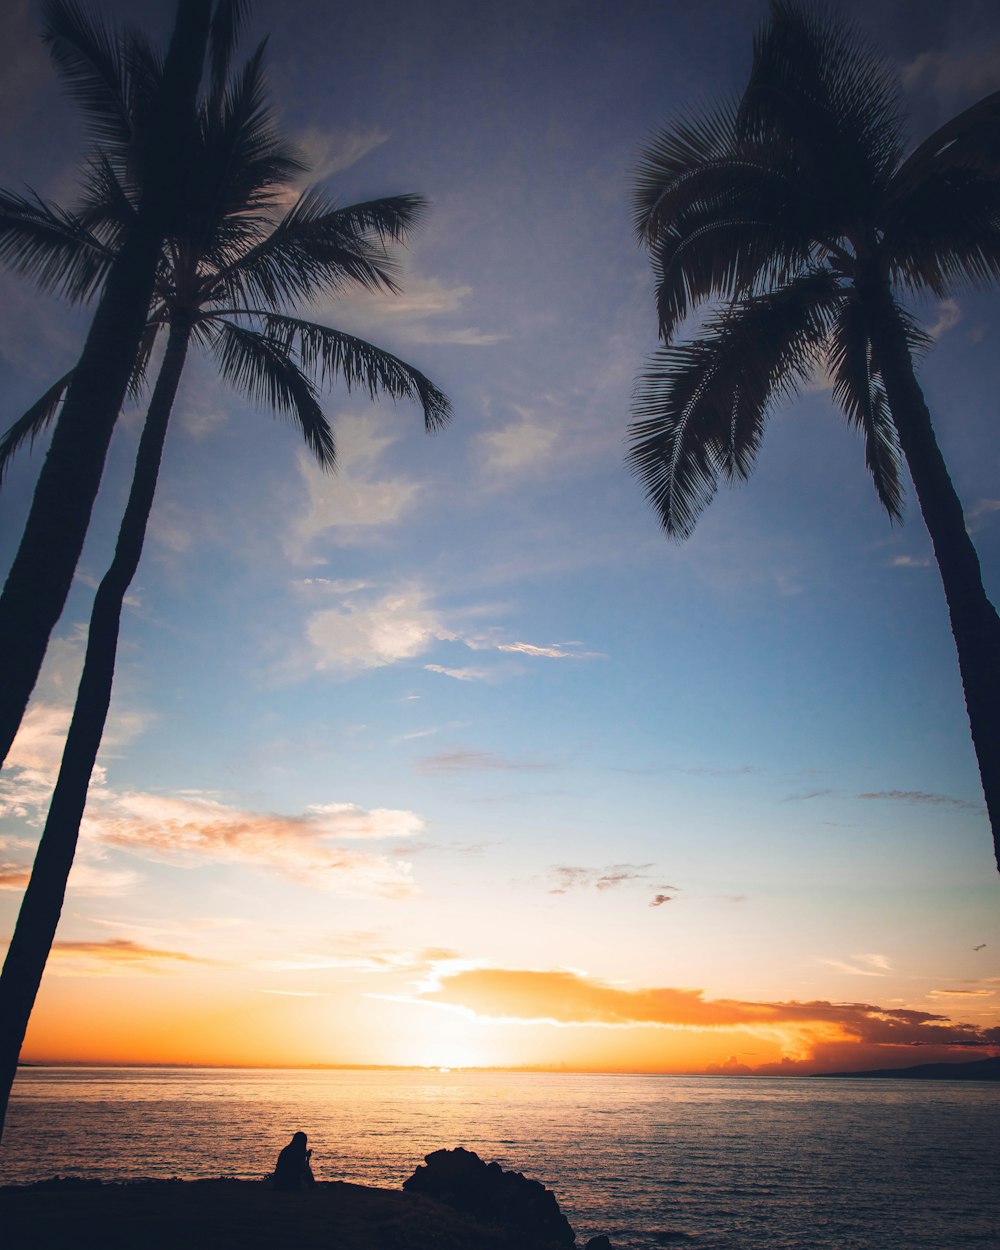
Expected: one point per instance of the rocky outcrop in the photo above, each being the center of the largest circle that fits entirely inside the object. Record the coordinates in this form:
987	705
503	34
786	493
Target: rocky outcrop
508	1200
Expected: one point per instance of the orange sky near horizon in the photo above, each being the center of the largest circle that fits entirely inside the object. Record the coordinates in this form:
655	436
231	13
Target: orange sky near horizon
126	1013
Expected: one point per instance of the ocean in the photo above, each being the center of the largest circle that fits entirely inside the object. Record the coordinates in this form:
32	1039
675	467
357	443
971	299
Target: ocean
708	1162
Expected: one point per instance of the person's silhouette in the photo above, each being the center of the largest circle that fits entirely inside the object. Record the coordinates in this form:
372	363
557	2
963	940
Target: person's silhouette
292	1170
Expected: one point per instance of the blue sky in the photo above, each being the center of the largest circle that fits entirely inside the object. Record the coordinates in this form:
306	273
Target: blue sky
464	695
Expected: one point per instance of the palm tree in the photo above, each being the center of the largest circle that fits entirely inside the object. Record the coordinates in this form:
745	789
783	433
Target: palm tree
226	274
141	110
796	211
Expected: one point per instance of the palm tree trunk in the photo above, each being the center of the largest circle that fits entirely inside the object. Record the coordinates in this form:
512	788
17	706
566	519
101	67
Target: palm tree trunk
43	899
974	620
42	572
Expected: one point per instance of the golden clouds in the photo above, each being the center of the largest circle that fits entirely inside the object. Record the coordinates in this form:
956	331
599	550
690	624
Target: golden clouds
14	876
568	998
808	1032
193	830
116	956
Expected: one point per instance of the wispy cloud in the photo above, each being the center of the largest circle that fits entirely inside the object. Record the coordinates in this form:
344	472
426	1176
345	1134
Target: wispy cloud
426	311
557	435
476	761
526	445
548	653
328	150
369	629
337	585
919	796
568	877
362	952
976	516
117	957
862	965
745	771
468	673
949	315
808	795
465	337
348	506
980	993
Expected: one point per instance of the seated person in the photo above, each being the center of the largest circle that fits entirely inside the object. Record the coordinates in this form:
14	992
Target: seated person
292	1170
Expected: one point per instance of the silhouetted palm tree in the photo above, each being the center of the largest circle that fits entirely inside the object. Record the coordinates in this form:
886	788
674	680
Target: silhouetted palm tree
227	270
141	109
796	209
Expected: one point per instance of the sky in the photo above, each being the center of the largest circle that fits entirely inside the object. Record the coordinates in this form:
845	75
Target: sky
452	758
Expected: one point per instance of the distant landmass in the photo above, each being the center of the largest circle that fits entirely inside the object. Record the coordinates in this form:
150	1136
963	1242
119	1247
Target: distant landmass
974	1070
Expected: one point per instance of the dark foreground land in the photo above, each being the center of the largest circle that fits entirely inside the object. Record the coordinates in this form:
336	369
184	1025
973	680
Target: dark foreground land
233	1215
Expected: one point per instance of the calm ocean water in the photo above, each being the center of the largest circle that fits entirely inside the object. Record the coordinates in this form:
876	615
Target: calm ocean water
712	1163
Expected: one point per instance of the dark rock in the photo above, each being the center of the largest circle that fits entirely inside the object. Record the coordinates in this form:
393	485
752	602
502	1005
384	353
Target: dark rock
461	1180
598	1243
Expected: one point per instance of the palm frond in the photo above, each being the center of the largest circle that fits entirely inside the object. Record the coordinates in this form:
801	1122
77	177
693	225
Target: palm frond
675	437
390	219
969	141
823	86
108	207
946	232
228	20
318	248
51	246
674	165
34	421
87	53
719	255
331	355
724	217
699	409
260	365
858	388
137	378
235	167
245	161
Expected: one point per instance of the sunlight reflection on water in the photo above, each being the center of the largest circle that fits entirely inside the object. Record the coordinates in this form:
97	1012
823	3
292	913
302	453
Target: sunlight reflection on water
722	1164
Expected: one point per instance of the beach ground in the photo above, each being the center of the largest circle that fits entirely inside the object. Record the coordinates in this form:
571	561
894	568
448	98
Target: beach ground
232	1215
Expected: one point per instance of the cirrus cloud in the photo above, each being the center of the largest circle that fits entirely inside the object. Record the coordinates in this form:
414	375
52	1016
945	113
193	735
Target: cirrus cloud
193	830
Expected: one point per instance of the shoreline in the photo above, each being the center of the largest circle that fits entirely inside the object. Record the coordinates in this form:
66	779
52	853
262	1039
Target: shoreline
987	1069
227	1213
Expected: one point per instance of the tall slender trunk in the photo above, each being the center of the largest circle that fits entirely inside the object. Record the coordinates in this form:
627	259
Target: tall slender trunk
43	899
974	620
42	572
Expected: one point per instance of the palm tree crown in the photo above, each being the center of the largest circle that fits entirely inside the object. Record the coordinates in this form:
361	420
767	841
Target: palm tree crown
786	206
795	211
147	131
229	269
